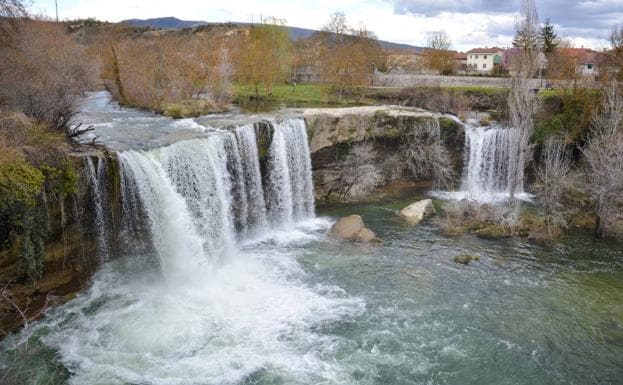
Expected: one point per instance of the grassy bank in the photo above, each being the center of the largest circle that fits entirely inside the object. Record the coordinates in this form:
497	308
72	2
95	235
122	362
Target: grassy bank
309	95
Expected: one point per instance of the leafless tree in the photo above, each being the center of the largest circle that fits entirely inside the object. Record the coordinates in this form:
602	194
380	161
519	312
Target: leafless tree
523	103
357	174
426	156
551	179
45	75
604	157
439	57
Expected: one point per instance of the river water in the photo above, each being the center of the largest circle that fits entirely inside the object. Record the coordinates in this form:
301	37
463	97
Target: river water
279	302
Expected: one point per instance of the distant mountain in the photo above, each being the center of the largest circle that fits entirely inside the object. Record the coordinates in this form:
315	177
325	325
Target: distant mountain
164	23
295	33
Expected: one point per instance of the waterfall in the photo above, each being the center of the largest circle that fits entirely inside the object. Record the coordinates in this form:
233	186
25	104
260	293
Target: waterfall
487	160
173	233
98	182
132	224
256	208
202	195
487	150
290	186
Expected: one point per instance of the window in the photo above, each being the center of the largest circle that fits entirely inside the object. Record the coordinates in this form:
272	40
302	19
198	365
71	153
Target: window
485	57
484	65
470	56
476	56
589	66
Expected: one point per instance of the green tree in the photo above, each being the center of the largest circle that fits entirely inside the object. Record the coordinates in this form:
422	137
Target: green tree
549	39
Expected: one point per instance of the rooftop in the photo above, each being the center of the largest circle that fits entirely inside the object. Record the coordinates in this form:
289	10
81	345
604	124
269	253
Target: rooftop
485	50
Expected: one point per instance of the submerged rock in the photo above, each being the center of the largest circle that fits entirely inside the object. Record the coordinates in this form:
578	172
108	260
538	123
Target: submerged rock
416	212
493	232
464	259
352	228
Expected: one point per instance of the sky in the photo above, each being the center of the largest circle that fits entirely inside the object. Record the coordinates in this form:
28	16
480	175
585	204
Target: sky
469	23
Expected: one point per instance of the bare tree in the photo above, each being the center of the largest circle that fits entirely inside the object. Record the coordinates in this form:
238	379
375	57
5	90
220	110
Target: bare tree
45	74
357	173
426	156
156	72
266	56
523	103
604	157
439	57
347	56
551	178
612	62
527	30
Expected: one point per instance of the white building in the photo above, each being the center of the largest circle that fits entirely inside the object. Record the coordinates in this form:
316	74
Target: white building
483	59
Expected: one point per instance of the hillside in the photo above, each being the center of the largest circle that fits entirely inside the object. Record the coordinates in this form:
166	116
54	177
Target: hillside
295	33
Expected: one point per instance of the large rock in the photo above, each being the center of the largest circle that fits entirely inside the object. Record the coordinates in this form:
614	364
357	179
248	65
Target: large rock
416	212
352	228
330	126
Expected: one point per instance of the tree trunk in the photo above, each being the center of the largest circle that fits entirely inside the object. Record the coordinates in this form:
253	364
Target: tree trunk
118	83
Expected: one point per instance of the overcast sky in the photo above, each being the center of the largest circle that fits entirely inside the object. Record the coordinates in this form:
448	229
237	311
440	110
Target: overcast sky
470	23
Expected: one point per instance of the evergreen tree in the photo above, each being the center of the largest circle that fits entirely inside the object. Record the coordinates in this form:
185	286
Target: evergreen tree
549	38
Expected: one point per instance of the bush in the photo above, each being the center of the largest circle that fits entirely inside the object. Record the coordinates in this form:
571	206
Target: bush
567	114
44	74
32	164
20	183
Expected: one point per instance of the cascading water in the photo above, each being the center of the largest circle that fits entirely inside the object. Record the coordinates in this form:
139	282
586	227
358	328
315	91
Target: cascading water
487	161
487	150
290	186
202	195
97	179
252	177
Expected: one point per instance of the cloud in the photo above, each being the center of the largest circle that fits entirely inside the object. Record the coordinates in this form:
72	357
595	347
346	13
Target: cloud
469	23
590	18
436	7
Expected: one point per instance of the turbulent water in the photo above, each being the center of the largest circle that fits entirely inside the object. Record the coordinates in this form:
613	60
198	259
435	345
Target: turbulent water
242	285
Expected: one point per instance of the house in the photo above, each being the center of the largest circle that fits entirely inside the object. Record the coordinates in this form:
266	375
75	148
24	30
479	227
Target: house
584	60
407	61
460	62
483	59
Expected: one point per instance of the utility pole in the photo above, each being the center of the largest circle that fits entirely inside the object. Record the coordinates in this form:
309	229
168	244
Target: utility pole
56	6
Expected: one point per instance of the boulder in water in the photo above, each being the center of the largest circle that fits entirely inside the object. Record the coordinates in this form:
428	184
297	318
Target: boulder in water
416	212
464	259
352	228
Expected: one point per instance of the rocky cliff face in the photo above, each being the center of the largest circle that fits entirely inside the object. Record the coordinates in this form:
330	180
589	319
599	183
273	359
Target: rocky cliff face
356	151
69	254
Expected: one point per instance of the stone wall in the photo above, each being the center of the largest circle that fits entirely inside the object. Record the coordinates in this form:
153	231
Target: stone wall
410	80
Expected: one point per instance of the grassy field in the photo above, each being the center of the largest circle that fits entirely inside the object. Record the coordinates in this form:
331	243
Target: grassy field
313	93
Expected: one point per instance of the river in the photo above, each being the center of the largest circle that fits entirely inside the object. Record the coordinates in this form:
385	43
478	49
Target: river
262	295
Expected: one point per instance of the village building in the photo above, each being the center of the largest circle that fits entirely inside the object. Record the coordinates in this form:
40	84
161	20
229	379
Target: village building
482	60
584	60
